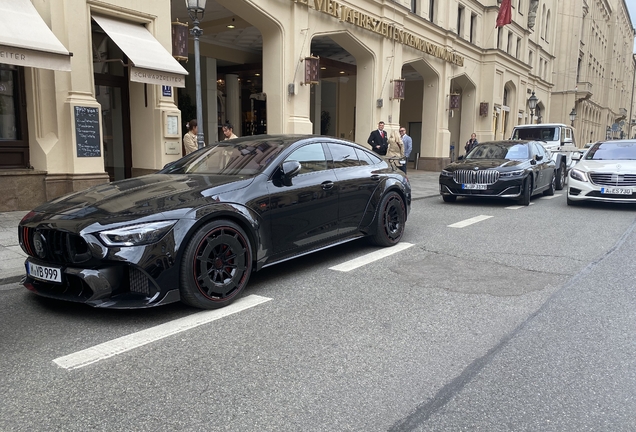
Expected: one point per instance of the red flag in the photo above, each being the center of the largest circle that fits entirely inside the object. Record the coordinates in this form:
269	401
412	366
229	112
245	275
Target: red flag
505	14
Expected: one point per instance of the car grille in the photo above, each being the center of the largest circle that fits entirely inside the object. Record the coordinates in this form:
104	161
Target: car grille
482	177
613	179
55	246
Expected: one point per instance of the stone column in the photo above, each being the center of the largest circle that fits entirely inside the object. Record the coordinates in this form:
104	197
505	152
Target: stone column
233	102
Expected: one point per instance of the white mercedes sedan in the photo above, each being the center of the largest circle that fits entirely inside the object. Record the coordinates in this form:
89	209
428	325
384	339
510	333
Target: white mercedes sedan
606	172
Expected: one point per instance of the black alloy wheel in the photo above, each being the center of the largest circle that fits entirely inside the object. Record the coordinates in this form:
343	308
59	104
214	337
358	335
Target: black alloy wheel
561	177
390	220
550	190
216	265
526	193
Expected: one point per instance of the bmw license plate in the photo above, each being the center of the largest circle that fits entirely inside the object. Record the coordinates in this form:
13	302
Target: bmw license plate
616	191
474	186
51	274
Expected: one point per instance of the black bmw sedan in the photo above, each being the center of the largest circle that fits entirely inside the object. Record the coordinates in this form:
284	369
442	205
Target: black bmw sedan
500	169
195	230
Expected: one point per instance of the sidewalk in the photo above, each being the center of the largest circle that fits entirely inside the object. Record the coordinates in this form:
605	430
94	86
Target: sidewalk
423	184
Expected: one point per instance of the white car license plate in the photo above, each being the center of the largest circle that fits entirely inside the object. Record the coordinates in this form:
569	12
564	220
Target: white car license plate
474	186
51	274
616	191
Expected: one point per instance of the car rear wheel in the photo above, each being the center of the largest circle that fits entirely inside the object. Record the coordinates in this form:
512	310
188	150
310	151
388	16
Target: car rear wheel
561	172
449	198
524	199
216	265
550	190
390	220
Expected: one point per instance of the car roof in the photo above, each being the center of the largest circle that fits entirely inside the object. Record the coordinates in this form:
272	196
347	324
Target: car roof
540	125
509	142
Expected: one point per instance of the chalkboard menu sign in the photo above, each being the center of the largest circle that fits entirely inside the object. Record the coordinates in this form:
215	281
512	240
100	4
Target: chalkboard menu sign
87	131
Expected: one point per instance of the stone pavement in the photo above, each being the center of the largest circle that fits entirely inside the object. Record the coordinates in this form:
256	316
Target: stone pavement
423	184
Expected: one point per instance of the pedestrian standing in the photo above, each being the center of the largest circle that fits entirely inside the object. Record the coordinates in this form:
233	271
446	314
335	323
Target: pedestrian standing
408	147
396	150
228	131
378	140
471	143
190	138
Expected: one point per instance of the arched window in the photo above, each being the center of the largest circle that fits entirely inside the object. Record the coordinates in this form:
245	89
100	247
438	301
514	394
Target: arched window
547	27
542	34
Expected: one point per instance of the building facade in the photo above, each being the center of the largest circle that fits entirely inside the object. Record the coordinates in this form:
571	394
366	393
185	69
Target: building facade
116	107
594	69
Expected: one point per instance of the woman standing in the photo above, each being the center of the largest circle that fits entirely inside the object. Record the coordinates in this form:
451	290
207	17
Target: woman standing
396	149
190	138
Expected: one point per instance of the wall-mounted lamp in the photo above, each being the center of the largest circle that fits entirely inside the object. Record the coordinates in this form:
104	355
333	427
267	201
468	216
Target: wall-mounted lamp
399	89
483	109
312	70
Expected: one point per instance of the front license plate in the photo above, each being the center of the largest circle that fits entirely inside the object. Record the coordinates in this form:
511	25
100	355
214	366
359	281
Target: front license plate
51	274
616	191
474	186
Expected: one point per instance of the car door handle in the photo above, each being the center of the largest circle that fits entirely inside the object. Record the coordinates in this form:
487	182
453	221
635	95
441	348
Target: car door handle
327	185
375	177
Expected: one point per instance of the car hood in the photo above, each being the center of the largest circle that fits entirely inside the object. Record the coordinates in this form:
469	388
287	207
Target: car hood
609	166
487	164
154	193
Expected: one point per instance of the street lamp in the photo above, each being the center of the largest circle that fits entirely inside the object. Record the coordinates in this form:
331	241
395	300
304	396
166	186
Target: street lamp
196	9
572	117
532	104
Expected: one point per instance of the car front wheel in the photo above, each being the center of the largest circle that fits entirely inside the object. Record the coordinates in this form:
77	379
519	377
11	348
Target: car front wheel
561	173
216	265
390	220
524	199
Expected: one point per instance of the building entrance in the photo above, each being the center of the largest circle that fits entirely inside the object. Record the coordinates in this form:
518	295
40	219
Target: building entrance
112	94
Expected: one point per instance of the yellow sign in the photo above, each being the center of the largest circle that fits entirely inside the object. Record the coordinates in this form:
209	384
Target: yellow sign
384	28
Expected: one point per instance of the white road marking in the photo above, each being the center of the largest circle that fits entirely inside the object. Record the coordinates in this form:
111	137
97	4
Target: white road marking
371	257
153	334
514	207
470	221
551	196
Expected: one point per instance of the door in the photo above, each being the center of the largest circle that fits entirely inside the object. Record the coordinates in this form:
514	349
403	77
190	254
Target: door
415	132
112	94
304	213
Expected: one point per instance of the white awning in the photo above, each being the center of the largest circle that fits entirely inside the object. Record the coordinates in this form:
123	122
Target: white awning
26	40
151	62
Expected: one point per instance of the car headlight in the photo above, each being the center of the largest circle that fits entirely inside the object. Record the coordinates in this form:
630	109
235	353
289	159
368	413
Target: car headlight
516	173
578	175
137	235
447	173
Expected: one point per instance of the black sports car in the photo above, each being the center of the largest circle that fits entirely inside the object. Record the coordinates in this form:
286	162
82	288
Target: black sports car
501	169
197	229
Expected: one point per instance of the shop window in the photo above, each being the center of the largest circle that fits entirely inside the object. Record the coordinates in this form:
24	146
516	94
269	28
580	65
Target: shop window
14	143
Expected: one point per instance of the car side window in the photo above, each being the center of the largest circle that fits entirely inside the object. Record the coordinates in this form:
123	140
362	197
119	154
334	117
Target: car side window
344	156
311	157
364	158
374	160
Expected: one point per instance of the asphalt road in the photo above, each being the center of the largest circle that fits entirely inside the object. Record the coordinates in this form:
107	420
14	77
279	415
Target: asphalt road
522	321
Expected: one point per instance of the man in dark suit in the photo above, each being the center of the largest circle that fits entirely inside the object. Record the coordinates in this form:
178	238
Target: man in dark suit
378	140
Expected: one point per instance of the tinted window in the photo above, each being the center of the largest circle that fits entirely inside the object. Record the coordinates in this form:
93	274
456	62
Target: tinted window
363	155
537	133
343	156
499	151
311	157
242	160
364	158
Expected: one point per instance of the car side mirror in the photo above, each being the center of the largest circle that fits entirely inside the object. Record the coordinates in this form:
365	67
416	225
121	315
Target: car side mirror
460	157
576	156
289	169
538	157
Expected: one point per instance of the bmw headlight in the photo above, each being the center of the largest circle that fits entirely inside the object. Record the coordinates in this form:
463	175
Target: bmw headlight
578	175
137	235
447	173
516	173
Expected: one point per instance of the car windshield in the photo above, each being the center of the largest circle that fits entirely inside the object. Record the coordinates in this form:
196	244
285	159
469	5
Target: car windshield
537	133
240	159
499	151
612	151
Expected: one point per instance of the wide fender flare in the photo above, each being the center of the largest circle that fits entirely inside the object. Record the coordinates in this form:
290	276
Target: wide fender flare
245	217
559	159
387	185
